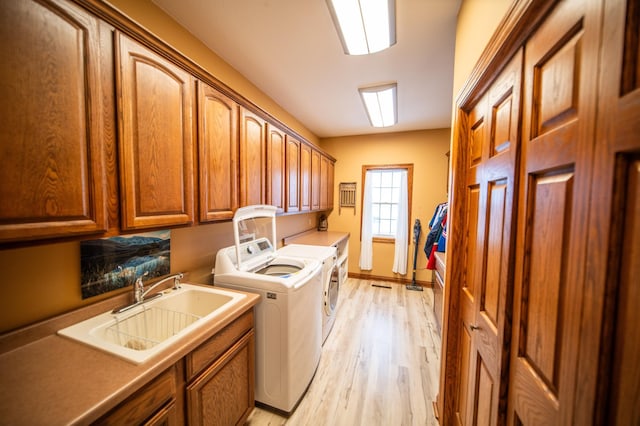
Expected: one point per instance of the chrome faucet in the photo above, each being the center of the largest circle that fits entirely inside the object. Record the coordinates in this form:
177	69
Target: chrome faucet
139	292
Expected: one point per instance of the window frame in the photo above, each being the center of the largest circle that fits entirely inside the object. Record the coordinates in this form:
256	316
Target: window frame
409	169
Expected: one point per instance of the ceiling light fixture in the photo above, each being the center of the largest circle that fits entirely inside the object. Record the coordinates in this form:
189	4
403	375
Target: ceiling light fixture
381	104
364	26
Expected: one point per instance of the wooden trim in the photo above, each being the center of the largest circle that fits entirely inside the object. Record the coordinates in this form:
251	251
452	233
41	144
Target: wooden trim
358	276
520	21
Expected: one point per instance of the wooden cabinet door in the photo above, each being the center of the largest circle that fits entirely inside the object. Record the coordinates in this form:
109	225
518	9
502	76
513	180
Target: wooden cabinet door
330	183
305	177
156	138
252	158
315	180
324	182
56	103
224	393
292	174
560	78
485	294
614	233
275	167
218	151
154	404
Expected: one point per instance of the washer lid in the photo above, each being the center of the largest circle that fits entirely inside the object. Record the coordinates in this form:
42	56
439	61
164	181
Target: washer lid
253	223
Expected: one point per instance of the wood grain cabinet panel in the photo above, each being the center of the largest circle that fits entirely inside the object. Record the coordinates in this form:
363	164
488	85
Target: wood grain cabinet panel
252	158
275	167
330	183
560	76
154	404
305	177
218	154
324	182
292	180
156	138
224	393
315	180
55	96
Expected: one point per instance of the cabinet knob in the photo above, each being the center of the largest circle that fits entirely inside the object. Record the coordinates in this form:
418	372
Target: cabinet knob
473	327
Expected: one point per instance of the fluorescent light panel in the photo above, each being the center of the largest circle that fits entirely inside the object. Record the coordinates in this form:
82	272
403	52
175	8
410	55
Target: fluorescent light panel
364	26
381	104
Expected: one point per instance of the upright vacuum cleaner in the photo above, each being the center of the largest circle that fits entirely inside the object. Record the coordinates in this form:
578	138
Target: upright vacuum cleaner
416	238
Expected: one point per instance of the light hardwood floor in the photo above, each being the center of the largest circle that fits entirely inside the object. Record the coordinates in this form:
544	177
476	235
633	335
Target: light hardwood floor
379	365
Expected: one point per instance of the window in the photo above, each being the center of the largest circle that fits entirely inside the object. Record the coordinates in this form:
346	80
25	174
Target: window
385	198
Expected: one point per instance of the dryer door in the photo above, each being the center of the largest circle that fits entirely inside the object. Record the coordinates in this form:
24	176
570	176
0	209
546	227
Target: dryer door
331	291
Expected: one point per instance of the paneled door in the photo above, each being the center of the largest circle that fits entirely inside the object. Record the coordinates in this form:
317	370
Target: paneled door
56	109
560	80
315	180
615	218
305	177
218	154
155	106
252	158
488	282
293	174
275	167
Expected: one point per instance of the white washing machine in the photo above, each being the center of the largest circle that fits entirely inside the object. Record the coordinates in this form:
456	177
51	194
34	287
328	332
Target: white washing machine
330	278
288	322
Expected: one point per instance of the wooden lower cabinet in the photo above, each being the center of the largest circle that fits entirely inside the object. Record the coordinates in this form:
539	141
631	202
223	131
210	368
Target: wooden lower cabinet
220	376
224	393
212	385
154	404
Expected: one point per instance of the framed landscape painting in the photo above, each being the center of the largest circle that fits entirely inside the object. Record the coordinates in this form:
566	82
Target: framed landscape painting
111	263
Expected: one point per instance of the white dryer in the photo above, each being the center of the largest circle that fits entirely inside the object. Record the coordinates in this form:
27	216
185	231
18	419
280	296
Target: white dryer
330	278
288	322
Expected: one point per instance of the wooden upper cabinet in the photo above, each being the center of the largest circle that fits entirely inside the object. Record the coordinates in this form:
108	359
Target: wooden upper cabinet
55	96
275	167
324	182
292	174
252	158
330	183
305	177
156	138
218	152
315	179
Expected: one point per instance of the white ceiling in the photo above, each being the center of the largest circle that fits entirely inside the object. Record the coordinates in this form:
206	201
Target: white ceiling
291	51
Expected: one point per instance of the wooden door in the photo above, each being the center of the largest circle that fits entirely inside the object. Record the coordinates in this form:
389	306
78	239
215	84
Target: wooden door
275	167
490	225
293	175
56	107
305	177
252	158
218	151
155	100
315	180
614	233
560	78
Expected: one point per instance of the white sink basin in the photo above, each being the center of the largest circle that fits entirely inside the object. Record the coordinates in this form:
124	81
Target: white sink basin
142	332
